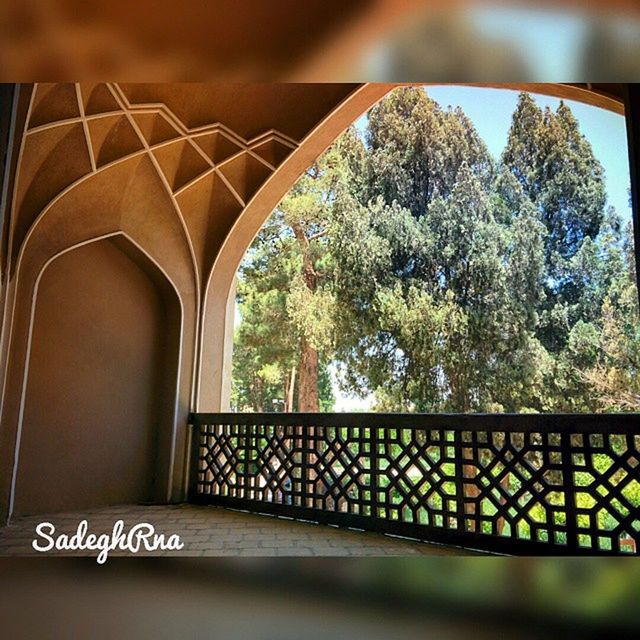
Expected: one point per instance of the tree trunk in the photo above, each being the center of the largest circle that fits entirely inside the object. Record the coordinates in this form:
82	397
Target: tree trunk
308	379
504	483
308	370
289	392
257	395
308	361
471	491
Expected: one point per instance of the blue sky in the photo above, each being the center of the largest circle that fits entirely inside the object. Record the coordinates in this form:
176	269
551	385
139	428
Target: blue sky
491	111
551	41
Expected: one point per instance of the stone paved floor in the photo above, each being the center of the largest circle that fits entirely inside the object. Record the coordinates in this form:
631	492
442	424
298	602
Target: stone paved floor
213	531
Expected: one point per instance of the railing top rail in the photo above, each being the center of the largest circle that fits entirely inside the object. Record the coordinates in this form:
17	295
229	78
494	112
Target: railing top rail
597	423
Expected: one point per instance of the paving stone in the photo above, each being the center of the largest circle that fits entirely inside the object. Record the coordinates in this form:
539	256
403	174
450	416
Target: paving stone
213	531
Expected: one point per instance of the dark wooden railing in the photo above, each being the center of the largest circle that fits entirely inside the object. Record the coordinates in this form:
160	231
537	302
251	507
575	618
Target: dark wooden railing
516	484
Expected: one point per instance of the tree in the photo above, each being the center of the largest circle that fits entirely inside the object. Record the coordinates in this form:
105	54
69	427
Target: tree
555	167
614	377
428	311
264	356
285	302
416	150
310	302
440	280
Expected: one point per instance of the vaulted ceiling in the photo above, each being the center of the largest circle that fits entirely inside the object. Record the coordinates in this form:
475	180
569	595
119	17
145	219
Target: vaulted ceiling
211	146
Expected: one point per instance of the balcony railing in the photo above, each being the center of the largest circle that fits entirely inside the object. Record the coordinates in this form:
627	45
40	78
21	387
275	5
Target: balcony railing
532	484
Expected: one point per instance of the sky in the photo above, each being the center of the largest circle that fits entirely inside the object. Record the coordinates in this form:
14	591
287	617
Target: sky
563	35
491	109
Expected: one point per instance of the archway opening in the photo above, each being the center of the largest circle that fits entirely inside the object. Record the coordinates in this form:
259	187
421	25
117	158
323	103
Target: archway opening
464	264
460	289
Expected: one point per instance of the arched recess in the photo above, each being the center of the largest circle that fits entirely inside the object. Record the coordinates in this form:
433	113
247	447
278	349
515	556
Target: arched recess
99	395
127	200
216	326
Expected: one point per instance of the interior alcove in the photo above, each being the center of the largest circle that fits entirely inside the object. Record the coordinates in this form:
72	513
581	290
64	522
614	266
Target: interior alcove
100	394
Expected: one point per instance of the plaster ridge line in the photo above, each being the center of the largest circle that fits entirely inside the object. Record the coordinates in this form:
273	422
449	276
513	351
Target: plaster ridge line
224	179
196	271
7	328
193	181
52	125
164	181
353	96
260	159
85	127
163	109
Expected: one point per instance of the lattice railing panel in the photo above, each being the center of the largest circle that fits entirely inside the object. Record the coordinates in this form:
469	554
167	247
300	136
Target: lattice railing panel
513	483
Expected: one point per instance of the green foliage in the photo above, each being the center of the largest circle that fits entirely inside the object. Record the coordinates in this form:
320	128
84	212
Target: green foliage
554	165
284	301
441	280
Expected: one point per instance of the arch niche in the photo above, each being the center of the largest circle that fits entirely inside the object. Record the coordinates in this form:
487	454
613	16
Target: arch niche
100	383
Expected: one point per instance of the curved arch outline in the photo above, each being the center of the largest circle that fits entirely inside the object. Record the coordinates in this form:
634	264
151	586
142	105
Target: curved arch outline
185	133
194	263
229	249
319	138
264	200
27	358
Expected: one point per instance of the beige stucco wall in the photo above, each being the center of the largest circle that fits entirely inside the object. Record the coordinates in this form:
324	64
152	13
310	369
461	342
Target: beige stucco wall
164	172
98	389
127	204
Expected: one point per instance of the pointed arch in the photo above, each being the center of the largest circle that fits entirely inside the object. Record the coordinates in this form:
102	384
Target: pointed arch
216	327
115	427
